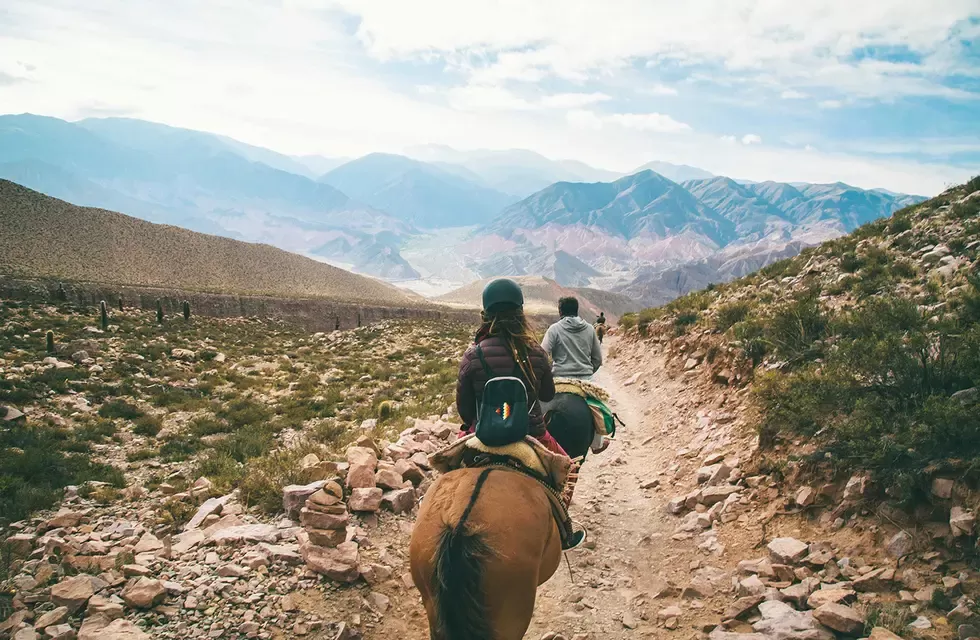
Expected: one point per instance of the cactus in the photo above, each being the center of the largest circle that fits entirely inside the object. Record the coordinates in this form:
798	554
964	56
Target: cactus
385	409
50	341
62	294
159	311
104	314
120	302
187	311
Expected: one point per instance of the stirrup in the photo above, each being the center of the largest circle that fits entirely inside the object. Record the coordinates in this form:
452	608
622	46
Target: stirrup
575	539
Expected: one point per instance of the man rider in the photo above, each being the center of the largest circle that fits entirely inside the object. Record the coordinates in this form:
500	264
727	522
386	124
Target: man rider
575	351
572	343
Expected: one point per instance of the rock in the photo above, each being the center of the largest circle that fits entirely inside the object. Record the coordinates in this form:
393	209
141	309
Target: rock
388	479
378	602
399	501
72	593
288	553
742	606
961	521
799	593
144	593
942	488
120	629
26	633
232	571
148	544
967	397
821	597
295	495
751	586
327	537
855	488
361	476
183	354
840	618
58	615
409	471
787	550
719	633
711	495
246	533
99	606
184	542
779	620
318	520
805	496
967	631
20	544
337	564
358	456
881	633
921	623
365	500
210	506
60	632
899	545
676	506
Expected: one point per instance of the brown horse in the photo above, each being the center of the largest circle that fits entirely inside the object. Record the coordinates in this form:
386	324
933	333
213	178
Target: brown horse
600	331
485	539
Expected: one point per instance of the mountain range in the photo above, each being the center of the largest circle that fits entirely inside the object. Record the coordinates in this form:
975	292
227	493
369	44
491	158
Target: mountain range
465	214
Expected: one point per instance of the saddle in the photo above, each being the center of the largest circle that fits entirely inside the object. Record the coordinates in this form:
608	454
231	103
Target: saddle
557	474
603	419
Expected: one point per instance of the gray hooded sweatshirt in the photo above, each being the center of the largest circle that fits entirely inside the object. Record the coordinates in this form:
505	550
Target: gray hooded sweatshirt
574	348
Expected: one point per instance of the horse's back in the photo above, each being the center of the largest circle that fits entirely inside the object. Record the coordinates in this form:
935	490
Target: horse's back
511	518
570	422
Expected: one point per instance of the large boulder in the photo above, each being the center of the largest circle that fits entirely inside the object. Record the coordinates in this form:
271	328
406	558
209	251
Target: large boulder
399	500
840	618
73	592
787	550
144	593
365	500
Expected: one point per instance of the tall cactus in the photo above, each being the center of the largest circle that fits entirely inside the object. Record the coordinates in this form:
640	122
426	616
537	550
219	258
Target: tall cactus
50	341
120	302
187	311
104	314
159	311
62	294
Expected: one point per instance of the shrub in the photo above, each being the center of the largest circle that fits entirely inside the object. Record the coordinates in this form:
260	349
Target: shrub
795	326
898	224
265	477
148	425
730	314
120	409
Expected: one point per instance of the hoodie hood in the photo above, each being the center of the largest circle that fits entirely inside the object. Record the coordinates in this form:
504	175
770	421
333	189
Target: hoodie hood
573	324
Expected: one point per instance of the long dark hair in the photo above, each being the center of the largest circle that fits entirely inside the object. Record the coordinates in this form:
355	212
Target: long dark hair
510	325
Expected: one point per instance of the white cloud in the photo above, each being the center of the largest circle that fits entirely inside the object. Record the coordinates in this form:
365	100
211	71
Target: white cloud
728	139
830	104
658	90
652	122
795	41
792	94
648	122
572	100
751	138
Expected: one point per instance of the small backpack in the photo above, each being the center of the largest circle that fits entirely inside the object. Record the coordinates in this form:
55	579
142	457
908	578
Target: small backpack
503	413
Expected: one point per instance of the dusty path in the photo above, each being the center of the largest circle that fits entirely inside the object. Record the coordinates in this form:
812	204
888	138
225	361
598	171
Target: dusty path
612	589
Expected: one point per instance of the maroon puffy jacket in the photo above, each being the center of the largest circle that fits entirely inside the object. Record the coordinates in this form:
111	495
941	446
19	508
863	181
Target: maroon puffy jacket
472	378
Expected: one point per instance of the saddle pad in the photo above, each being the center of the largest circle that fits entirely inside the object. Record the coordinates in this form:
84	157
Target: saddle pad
582	388
520	451
556	468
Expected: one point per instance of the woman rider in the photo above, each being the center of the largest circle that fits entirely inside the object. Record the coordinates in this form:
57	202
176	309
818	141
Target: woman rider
506	338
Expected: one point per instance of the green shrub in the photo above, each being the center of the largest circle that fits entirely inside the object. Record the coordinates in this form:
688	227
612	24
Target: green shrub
899	223
148	425
265	477
795	326
730	314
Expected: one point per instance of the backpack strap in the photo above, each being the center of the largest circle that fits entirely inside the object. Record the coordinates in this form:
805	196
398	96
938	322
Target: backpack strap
483	361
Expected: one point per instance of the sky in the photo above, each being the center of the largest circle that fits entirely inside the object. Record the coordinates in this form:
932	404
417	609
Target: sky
875	94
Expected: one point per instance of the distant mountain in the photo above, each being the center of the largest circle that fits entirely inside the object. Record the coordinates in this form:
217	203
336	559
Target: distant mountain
644	204
516	171
541	297
187	178
316	166
46	237
675	172
425	195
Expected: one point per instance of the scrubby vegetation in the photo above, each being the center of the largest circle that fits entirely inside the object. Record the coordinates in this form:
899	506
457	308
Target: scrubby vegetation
235	400
868	345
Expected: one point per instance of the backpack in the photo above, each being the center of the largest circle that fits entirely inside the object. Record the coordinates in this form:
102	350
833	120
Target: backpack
503	412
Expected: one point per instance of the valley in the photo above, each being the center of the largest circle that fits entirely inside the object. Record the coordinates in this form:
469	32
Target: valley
439	219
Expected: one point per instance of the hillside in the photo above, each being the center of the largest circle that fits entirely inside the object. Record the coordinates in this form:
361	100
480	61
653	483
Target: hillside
49	238
870	343
541	297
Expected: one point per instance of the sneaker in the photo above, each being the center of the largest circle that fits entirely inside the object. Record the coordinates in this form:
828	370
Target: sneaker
602	447
577	538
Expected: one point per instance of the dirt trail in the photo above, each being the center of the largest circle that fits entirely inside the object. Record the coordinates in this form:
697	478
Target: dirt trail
612	588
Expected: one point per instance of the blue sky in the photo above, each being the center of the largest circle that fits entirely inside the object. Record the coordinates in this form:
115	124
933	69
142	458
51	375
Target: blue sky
883	95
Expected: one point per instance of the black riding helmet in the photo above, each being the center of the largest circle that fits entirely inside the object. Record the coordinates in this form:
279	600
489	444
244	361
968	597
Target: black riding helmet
502	294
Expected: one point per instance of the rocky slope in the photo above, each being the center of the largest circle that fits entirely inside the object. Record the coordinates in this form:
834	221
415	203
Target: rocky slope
48	238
